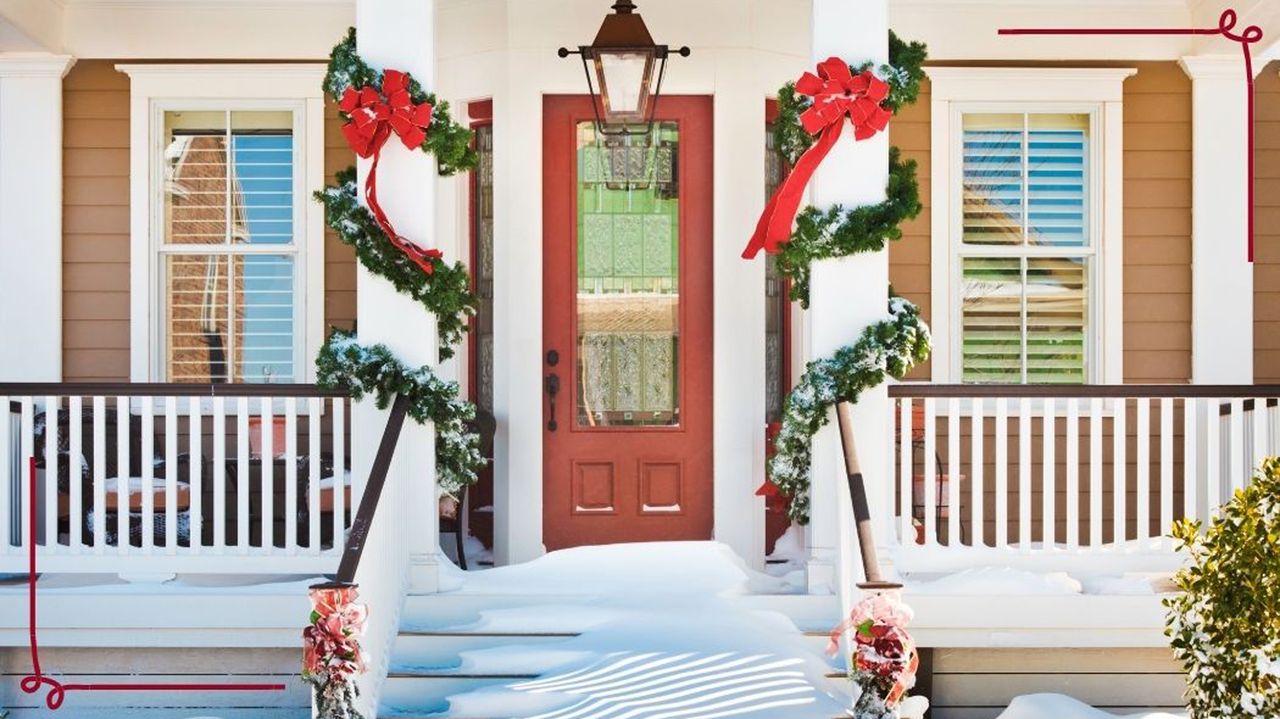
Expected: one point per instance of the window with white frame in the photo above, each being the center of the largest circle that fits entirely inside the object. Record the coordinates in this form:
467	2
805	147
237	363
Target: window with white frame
1026	223
227	244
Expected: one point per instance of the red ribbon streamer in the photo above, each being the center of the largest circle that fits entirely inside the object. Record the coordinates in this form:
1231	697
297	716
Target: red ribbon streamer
372	122
837	93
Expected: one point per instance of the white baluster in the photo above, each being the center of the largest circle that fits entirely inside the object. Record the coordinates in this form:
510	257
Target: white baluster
124	471
1212	456
930	472
268	484
1024	474
1190	408
313	478
195	453
51	442
8	482
27	439
1259	443
1120	471
977	536
1095	472
148	462
219	476
171	475
1142	498
339	474
1002	472
242	475
99	474
1239	475
1073	473
1166	466
1049	496
953	472
906	471
291	475
75	473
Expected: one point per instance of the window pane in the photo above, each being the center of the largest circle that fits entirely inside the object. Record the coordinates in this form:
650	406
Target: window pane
251	187
992	177
229	318
1057	193
1057	320
195	178
991	319
777	304
262	177
483	270
628	278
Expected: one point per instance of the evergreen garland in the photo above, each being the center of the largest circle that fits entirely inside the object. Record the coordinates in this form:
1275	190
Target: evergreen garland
446	292
344	364
449	141
838	232
889	348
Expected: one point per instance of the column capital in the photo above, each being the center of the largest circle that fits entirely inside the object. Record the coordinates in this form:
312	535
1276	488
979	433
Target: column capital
36	64
1216	67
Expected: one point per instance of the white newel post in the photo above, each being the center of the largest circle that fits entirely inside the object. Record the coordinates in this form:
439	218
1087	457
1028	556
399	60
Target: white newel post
850	293
31	216
400	34
1221	276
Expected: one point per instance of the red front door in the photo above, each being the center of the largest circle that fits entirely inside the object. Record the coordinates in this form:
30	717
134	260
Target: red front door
626	326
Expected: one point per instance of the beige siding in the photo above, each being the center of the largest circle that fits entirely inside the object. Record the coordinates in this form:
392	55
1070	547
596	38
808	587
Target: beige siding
1266	269
1157	242
1157	224
980	683
96	225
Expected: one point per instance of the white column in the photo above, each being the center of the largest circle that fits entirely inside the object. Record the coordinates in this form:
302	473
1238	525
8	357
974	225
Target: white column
400	34
1221	276
850	293
738	439
31	216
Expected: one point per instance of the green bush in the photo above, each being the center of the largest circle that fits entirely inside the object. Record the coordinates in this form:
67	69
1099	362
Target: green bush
1225	624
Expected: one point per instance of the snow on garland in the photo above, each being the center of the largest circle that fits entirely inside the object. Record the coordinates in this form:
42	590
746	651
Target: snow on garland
344	363
837	231
1224	626
889	348
446	292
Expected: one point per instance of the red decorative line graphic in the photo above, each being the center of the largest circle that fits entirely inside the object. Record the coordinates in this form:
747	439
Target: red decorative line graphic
1226	28
57	690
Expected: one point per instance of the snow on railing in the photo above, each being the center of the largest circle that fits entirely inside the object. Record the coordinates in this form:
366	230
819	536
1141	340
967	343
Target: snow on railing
148	478
1033	472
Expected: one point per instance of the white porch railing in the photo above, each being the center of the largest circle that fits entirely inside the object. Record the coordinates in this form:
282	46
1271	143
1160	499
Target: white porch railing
143	478
1067	476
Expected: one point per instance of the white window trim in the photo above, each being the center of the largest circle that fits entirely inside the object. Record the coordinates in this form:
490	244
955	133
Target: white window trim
155	88
1096	91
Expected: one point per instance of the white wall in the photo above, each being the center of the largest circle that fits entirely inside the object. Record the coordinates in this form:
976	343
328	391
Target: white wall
506	49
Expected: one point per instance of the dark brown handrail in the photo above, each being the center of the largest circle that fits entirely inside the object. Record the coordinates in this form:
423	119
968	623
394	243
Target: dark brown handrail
359	533
1084	391
160	389
858	496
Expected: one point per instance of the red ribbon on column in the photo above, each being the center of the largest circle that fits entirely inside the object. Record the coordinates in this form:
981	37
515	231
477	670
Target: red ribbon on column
837	93
372	122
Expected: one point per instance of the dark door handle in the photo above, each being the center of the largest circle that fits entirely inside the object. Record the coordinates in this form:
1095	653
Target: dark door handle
553	388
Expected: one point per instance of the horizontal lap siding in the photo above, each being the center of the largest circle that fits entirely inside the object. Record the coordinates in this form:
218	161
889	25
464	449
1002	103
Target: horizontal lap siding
980	683
909	259
1157	224
1266	268
96	225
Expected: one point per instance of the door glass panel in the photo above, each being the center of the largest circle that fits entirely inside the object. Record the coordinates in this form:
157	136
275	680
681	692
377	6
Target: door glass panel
628	309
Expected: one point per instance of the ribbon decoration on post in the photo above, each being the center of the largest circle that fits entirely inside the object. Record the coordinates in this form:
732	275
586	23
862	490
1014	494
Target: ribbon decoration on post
372	122
837	93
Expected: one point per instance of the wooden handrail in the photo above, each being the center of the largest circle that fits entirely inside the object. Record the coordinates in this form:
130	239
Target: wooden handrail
359	533
163	389
1081	391
858	496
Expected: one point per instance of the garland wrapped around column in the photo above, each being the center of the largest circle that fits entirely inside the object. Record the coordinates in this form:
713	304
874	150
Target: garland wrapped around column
811	115
377	108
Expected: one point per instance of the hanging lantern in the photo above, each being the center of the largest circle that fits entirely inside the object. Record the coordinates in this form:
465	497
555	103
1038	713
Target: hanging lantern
621	63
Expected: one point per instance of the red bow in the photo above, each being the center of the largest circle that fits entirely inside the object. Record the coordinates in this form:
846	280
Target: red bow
370	124
837	93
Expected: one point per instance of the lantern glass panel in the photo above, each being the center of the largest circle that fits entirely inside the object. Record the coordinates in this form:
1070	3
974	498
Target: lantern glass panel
625	77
